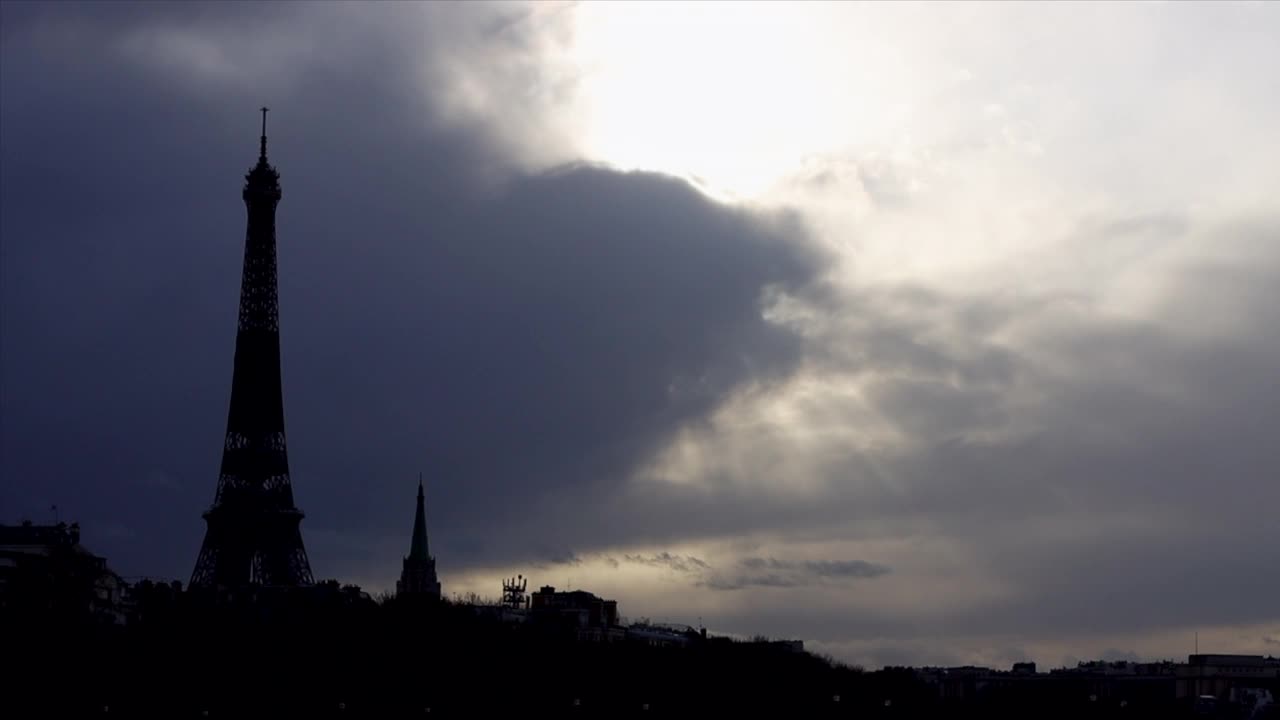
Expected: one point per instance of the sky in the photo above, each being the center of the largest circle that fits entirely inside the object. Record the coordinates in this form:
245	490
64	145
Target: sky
925	333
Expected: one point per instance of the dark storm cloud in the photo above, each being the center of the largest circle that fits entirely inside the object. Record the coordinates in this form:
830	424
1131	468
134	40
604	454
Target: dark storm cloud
844	568
1115	475
664	559
817	568
1069	455
771	572
523	343
750	571
564	557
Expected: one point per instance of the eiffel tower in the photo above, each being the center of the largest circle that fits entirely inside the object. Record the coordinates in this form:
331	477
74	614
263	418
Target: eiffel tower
253	533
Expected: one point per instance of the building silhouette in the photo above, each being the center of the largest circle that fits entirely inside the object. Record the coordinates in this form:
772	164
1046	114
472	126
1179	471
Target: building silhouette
47	574
253	533
418	577
587	615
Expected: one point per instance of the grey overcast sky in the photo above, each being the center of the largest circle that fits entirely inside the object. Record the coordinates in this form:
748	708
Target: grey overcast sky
925	333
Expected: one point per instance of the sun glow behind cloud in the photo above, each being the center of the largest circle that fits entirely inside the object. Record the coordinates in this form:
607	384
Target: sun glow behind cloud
981	132
878	122
731	95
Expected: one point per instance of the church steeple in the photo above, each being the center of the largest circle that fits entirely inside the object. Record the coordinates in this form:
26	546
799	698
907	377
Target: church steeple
418	578
418	546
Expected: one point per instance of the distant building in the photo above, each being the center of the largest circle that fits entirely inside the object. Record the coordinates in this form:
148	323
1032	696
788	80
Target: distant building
1214	684
584	608
795	646
150	599
418	577
664	635
335	594
592	617
46	572
962	682
1218	675
1104	668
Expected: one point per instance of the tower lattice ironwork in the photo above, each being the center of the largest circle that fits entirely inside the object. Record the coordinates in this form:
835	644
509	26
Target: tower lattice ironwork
253	533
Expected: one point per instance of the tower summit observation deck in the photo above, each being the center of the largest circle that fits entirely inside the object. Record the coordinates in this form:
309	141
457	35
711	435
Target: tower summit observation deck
253	533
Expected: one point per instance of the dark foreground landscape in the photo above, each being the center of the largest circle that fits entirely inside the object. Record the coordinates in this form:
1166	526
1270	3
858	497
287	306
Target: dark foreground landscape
334	652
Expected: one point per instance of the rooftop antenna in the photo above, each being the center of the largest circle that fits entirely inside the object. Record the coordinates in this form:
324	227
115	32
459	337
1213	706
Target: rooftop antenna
262	152
1197	642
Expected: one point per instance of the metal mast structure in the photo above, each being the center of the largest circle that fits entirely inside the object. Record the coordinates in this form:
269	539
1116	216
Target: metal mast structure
253	533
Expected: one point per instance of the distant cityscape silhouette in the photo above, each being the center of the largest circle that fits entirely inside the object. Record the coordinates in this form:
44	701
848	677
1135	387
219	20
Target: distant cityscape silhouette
254	633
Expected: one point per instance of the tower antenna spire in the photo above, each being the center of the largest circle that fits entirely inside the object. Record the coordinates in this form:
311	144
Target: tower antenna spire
262	151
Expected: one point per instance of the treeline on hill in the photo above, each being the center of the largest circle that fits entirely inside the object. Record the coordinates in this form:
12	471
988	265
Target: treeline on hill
295	656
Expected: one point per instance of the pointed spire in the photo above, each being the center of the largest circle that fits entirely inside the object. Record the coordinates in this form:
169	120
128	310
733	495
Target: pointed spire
262	150
418	547
262	182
